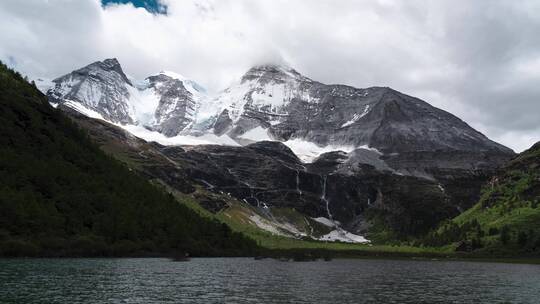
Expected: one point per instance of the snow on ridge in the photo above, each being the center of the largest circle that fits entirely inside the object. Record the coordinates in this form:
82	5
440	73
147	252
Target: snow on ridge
356	117
149	135
144	104
305	150
190	140
308	151
192	86
256	134
276	228
83	110
43	84
173	75
366	147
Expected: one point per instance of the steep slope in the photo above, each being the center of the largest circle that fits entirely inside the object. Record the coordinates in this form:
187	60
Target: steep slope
61	195
507	217
272	102
164	102
367	158
270	178
101	86
288	106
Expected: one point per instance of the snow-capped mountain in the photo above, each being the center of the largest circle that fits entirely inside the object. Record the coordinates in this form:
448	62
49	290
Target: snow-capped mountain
262	95
278	103
101	86
280	139
269	102
164	102
169	101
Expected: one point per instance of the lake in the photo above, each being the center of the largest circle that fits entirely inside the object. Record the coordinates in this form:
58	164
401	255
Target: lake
244	280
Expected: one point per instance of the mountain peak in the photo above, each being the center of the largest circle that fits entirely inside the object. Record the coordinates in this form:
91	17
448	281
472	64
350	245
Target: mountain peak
173	75
112	62
273	71
107	65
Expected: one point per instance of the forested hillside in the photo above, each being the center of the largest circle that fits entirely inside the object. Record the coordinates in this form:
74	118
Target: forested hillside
506	220
60	195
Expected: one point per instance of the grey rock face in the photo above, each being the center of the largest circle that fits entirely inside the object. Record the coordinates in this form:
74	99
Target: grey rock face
262	98
424	164
104	88
269	175
101	86
412	137
290	106
176	105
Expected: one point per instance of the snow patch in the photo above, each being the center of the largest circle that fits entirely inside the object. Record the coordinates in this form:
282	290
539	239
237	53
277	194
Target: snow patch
43	84
366	147
206	139
144	103
265	225
325	221
343	236
193	87
149	135
173	75
356	117
256	134
308	151
82	109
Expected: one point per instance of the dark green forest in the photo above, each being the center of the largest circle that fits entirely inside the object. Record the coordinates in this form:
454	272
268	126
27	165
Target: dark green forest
60	195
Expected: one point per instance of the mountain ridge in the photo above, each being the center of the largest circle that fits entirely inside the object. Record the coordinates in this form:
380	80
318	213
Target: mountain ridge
287	105
365	158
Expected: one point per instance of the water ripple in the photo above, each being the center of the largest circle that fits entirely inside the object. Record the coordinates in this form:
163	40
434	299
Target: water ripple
238	280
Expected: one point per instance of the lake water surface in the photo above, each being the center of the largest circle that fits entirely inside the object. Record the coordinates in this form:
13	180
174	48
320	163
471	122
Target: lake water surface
244	280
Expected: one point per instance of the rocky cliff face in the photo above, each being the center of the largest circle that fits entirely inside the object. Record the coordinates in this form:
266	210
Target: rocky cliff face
403	163
164	102
288	105
101	86
176	107
268	175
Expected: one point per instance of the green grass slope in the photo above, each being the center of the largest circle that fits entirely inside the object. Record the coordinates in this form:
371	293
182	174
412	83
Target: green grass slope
60	195
506	220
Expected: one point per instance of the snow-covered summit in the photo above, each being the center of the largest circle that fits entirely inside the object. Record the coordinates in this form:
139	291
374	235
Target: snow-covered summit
269	102
165	101
264	89
273	73
101	86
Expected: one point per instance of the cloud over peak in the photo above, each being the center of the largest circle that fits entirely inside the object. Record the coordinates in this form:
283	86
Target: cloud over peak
479	60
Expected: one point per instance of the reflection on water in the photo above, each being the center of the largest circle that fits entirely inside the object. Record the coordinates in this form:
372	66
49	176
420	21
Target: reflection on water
243	280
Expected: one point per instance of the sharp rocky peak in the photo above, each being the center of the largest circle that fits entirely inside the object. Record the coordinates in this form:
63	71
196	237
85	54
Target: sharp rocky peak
107	65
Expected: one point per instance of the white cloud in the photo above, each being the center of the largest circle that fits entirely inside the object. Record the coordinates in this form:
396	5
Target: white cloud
476	59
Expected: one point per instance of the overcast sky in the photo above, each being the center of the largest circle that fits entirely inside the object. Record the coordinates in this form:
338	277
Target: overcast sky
479	60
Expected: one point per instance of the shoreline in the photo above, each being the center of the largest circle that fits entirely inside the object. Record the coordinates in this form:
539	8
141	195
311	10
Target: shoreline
289	257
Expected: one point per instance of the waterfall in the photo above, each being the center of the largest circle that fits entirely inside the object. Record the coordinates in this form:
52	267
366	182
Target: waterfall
298	182
251	194
323	197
